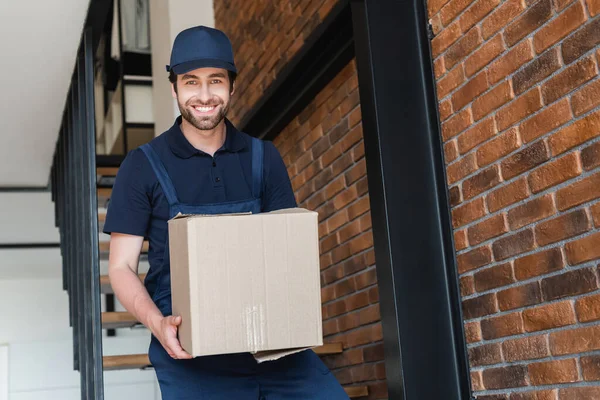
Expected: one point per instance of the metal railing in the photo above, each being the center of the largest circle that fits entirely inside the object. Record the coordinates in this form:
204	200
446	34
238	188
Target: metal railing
76	210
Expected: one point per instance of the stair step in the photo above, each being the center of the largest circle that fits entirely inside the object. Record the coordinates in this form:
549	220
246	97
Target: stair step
105	287
141	361
107	171
105	245
118	319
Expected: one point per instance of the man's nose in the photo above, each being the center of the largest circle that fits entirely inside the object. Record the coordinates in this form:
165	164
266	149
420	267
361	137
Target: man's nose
204	94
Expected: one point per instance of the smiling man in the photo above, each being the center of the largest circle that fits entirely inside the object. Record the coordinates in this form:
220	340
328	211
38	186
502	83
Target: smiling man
201	165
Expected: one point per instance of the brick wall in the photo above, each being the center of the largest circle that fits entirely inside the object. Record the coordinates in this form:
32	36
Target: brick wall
519	99
323	150
265	35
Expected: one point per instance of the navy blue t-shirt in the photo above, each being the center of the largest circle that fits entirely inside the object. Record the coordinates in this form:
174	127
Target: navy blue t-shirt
138	207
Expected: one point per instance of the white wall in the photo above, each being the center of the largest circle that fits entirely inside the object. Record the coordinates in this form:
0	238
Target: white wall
3	372
40	343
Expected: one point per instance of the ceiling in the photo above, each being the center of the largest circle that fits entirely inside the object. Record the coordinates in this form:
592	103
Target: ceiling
38	43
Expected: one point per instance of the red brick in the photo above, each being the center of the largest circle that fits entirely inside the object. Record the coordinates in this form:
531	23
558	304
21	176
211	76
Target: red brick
451	81
477	381
481	182
486	354
450	151
532	19
480	306
570	283
463	47
364	279
553	372
578	340
590	156
595	209
564	227
473	332
467	285
527	348
525	160
587	98
580	393
549	316
454	196
539	263
457	124
452	9
541	67
579	192
499	147
511	61
546	120
468	212
588	308
460	239
532	211
537	395
356	172
590	367
473	259
582	41
445	39
487	229
476	135
505	377
569	79
354	117
505	325
507	195
559	27
519	109
490	101
484	55
593	7
470	90
461	168
560	5
573	135
503	14
512	245
445	110
585	249
434	6
555	172
353	137
520	296
359	208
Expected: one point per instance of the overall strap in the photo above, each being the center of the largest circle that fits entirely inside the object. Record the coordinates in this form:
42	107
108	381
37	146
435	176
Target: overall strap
257	166
161	173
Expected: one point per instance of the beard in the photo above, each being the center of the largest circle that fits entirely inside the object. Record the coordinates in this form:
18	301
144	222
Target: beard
203	123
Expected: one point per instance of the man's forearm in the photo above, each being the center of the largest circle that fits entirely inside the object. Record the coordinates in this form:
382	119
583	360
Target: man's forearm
134	297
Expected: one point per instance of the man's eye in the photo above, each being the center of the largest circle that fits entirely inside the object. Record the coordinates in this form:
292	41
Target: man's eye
190	83
216	81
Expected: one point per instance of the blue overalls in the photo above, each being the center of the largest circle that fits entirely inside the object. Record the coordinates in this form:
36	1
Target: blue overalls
300	376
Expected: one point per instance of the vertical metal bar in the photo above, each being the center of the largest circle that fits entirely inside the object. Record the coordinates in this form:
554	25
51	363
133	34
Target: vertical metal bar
79	226
122	77
93	316
425	351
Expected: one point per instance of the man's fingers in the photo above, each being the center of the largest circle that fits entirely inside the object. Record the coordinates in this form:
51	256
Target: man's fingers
177	350
172	320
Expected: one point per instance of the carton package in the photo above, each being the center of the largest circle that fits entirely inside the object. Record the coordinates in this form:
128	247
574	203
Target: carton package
247	282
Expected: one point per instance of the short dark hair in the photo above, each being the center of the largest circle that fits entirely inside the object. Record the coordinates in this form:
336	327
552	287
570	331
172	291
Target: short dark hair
173	79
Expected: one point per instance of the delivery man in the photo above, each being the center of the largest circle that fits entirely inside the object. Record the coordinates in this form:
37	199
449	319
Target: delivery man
202	164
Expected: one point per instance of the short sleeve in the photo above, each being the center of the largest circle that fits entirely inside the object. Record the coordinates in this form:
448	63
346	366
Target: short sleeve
129	208
278	193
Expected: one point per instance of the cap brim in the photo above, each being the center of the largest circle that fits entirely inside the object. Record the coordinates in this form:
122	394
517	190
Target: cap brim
204	63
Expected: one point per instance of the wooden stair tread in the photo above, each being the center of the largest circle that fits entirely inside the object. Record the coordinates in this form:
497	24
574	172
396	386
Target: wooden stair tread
118	319
140	361
107	171
105	287
105	246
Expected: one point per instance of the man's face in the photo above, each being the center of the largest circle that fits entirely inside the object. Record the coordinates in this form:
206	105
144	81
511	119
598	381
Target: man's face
203	96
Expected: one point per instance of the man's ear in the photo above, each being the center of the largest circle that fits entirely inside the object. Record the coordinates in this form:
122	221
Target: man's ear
232	88
173	92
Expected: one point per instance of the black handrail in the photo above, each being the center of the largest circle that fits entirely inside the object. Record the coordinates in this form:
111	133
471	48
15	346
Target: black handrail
76	207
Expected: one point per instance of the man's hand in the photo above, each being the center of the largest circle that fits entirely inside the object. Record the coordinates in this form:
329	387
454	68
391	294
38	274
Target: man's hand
165	331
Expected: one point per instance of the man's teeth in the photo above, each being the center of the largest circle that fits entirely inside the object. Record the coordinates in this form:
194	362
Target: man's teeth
204	109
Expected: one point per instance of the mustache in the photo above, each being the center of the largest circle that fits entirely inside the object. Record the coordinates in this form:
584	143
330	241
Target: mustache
197	103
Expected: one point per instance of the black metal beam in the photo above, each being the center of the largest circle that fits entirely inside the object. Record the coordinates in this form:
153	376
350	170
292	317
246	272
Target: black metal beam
15	246
425	351
325	53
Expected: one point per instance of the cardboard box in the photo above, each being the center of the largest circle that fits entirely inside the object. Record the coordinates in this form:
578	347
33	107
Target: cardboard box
247	283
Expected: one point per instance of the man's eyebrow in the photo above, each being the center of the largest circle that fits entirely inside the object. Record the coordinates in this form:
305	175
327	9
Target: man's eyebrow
217	75
189	76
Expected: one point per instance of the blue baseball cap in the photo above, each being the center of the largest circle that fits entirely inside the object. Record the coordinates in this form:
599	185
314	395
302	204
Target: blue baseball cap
200	47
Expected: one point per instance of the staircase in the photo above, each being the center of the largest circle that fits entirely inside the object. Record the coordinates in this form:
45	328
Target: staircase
124	320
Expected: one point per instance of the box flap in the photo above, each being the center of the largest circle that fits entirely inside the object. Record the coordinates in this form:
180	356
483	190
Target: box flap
273	355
